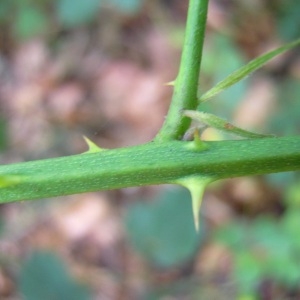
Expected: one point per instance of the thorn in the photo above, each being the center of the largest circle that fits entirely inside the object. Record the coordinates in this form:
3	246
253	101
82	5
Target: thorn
170	83
196	186
197	138
197	144
93	148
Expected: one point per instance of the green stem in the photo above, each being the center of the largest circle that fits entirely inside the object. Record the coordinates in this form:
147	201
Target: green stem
186	83
152	163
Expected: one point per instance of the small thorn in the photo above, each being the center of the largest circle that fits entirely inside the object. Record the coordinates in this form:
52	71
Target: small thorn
170	83
93	148
197	144
197	138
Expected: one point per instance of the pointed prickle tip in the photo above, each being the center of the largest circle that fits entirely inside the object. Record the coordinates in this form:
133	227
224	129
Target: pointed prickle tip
196	204
196	186
170	83
197	191
93	148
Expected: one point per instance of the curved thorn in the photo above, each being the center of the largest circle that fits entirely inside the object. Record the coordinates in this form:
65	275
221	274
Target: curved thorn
93	148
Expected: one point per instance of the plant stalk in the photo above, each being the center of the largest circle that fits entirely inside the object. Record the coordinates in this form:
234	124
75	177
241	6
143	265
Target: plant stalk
152	163
186	83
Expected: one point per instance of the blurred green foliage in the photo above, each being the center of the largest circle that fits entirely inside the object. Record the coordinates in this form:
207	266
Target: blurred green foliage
288	19
3	134
30	21
32	17
72	13
163	230
286	121
267	248
44	276
220	59
127	6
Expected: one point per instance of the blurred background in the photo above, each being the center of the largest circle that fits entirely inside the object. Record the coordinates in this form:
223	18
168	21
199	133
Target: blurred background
70	68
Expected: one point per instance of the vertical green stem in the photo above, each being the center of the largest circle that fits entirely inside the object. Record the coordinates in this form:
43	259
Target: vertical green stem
186	83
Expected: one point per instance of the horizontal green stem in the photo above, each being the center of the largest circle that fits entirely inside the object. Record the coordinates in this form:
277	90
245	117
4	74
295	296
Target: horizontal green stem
152	163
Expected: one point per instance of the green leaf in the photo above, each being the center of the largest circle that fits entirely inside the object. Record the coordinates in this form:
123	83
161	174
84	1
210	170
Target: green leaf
222	57
162	231
223	125
43	276
246	70
30	21
76	12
